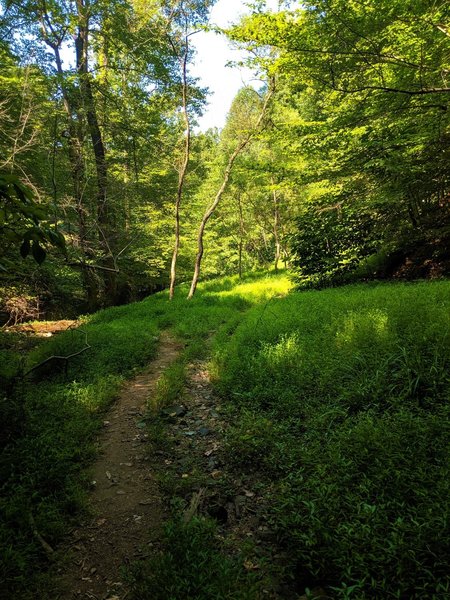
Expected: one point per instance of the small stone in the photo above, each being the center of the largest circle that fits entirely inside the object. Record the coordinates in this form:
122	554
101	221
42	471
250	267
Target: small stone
174	411
120	493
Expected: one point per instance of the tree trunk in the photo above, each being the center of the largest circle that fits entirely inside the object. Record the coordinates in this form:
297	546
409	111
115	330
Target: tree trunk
276	223
241	235
239	148
76	160
104	222
183	171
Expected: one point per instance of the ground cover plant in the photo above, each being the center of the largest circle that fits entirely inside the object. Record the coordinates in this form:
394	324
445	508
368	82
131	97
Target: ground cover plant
337	400
51	416
342	401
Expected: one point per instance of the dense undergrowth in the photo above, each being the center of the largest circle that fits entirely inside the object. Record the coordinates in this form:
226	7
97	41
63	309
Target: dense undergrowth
50	418
342	401
338	399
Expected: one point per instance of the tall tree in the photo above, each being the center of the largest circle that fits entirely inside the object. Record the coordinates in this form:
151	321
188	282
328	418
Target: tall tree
186	17
246	126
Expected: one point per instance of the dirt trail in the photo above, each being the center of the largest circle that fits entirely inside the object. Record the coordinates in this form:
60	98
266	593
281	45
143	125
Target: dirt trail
125	502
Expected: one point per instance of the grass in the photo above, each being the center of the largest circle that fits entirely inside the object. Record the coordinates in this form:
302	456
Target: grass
341	398
192	566
337	399
50	418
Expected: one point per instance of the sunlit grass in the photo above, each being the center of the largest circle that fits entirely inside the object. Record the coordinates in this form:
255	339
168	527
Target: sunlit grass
53	416
357	381
340	397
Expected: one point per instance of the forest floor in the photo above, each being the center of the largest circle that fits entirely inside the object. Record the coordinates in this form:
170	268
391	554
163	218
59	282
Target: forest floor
141	467
242	445
126	509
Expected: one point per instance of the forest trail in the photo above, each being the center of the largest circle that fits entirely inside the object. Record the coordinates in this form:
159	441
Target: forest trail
126	507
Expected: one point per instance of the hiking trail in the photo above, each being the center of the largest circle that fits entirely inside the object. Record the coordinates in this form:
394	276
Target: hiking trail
126	507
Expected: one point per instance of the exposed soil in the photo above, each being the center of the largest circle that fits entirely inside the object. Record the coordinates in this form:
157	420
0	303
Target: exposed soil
125	500
44	328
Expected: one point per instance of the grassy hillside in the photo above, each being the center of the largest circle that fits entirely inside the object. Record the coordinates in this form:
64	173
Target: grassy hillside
50	418
337	401
342	400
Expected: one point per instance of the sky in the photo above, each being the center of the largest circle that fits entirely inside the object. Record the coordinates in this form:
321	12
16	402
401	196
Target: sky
213	52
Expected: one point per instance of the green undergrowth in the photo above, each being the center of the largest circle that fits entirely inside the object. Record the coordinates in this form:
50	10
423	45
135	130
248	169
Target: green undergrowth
337	401
192	566
50	417
341	401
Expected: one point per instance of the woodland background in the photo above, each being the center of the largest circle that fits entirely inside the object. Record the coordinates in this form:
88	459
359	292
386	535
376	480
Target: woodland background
346	178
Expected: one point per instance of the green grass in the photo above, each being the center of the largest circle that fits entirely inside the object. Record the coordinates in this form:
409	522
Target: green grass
49	420
341	398
192	566
338	399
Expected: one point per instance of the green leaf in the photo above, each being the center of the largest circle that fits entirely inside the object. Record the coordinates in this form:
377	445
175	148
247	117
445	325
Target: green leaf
38	252
25	248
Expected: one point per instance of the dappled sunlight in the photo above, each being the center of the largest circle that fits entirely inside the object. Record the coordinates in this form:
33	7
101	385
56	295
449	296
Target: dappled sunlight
356	380
369	325
287	353
262	289
94	397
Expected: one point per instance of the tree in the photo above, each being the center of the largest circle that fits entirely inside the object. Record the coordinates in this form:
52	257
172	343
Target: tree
365	111
245	123
187	16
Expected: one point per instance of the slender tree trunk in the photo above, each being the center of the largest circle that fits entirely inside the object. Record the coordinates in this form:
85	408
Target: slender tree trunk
104	220
276	223
183	170
241	235
239	148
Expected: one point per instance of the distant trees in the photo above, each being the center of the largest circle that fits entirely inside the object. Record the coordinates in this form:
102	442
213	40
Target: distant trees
362	112
347	177
101	142
245	119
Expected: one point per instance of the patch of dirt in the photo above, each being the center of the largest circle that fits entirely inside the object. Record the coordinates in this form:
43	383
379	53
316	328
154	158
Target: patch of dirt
125	501
42	328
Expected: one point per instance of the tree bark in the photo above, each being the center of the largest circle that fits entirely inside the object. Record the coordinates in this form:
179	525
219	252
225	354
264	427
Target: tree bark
239	148
76	160
276	224
183	170
241	235
87	97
